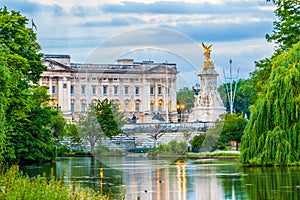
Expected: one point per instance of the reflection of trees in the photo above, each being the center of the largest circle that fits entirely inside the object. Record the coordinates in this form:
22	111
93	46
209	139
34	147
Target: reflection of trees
272	182
86	171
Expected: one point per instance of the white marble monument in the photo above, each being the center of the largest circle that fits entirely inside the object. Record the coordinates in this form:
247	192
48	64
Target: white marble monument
208	103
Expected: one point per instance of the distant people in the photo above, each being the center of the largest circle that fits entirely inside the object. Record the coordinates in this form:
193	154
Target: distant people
133	118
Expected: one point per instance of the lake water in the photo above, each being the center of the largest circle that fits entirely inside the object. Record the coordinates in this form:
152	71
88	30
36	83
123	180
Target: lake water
138	177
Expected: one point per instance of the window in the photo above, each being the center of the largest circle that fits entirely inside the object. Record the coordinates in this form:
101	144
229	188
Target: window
159	108
83	107
159	90
82	89
64	85
151	90
115	90
72	107
104	89
126	106
137	106
137	90
152	107
94	90
72	89
126	90
93	79
53	90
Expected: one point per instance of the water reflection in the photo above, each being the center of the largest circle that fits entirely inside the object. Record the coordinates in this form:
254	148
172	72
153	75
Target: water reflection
272	182
140	178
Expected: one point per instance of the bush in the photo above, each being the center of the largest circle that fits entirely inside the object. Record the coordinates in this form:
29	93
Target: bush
14	185
173	148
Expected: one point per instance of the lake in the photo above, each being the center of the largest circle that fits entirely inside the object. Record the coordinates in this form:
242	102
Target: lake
138	177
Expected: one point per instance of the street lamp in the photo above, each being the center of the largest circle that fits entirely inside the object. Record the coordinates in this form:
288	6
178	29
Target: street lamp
180	107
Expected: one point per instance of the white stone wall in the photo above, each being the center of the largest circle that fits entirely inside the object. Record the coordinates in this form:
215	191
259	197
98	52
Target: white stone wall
88	82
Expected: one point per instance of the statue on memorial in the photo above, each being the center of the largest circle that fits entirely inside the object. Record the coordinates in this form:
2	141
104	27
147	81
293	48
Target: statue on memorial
207	62
207	50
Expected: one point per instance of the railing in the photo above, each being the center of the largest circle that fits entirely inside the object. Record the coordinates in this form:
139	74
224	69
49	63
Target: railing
167	127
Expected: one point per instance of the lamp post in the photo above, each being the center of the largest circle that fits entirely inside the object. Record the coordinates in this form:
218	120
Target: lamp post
180	107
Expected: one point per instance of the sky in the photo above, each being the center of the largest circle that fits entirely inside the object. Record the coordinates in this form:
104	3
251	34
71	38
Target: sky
102	31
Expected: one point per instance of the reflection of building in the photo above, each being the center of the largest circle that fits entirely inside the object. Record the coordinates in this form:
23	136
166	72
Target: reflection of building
142	88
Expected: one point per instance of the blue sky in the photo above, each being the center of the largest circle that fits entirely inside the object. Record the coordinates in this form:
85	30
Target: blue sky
151	29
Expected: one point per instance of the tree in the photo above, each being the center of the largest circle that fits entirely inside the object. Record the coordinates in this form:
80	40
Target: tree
156	133
197	141
244	97
272	134
233	128
186	97
26	123
109	117
286	32
89	128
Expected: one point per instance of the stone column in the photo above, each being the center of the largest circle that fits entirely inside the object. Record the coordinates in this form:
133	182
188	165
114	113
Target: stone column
50	85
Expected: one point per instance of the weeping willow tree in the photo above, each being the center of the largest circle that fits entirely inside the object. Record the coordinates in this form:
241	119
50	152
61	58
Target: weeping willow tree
272	136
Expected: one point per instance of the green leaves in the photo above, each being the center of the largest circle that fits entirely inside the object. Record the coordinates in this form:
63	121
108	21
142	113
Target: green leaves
26	120
110	119
275	117
185	97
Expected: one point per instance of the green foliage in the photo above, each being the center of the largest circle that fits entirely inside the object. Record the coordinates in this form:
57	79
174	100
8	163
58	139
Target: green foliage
286	33
173	148
185	96
233	128
109	117
17	186
272	134
197	141
71	131
244	97
221	154
22	44
27	121
89	128
102	150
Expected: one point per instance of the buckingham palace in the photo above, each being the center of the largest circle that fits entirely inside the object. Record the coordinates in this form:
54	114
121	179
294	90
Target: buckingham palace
144	89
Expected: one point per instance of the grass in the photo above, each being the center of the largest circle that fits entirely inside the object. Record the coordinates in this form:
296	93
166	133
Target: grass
15	185
215	154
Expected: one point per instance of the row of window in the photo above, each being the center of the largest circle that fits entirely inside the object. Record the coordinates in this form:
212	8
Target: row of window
126	105
115	90
105	90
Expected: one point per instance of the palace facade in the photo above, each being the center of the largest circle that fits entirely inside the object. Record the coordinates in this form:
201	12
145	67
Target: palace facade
145	89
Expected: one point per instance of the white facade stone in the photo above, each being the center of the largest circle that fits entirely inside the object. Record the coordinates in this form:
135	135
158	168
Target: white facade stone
138	87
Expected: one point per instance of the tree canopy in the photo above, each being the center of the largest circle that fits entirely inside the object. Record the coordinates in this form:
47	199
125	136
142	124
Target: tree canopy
26	122
89	128
109	117
186	97
272	135
286	32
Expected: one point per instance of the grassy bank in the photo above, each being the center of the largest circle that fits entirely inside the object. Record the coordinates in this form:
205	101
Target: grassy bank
14	185
215	154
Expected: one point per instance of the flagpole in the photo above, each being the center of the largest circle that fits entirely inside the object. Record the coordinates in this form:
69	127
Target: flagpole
167	94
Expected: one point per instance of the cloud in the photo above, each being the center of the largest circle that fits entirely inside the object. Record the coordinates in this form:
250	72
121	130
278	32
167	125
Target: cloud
118	21
177	7
31	8
224	31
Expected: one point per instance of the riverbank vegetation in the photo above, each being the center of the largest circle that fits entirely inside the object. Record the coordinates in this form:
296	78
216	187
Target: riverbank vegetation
15	185
272	134
28	122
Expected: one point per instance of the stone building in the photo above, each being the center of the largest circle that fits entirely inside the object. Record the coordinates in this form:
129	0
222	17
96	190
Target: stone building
145	89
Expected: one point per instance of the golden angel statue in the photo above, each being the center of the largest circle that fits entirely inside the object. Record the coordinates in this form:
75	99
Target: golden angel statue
207	50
